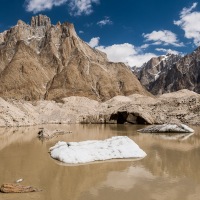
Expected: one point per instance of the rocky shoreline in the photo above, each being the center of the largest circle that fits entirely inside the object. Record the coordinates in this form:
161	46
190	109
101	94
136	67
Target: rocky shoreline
178	107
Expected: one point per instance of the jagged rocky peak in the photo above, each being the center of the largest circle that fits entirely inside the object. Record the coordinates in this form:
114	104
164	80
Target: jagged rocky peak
21	23
173	74
38	36
40	20
34	34
45	61
155	60
68	29
154	68
58	23
2	37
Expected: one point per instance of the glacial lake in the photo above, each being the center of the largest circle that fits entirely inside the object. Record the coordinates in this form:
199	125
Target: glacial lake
169	171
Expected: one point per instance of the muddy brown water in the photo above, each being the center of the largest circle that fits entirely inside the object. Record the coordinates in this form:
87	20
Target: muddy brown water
169	171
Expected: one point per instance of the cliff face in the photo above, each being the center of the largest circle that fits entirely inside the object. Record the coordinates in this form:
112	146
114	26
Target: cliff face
152	73
172	73
45	61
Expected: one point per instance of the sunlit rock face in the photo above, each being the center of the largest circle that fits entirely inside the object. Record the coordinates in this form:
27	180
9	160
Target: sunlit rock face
45	61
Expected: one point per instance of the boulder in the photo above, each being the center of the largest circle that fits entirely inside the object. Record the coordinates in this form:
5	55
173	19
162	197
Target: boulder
16	188
47	134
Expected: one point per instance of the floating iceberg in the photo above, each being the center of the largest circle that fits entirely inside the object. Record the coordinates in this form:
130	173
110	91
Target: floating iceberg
96	150
167	128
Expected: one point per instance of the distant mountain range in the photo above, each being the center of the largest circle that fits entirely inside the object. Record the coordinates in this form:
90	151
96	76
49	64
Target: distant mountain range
171	73
44	61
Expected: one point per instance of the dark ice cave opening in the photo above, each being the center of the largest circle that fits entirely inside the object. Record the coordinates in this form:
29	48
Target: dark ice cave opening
125	117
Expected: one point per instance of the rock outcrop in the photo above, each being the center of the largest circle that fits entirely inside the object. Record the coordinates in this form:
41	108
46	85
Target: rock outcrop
45	134
17	188
42	61
40	20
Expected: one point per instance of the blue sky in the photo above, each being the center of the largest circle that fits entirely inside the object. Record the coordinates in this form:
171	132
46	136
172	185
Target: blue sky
131	31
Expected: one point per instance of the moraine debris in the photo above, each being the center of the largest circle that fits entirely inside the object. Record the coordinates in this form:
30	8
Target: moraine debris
47	134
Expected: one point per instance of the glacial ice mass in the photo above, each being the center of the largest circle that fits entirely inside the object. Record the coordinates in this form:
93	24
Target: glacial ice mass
118	147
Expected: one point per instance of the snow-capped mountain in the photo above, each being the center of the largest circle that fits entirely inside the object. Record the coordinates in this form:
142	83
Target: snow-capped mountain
168	73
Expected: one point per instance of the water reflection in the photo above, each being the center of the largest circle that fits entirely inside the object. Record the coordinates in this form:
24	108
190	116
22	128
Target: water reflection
19	135
173	136
124	180
169	171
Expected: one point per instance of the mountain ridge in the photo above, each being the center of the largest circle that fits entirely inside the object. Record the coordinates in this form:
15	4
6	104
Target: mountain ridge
172	74
45	61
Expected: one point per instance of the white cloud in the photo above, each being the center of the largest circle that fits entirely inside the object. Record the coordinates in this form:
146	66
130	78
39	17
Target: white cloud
127	53
118	52
166	51
157	43
94	42
88	25
139	59
164	37
190	22
144	46
81	32
79	7
104	22
76	7
36	6
187	11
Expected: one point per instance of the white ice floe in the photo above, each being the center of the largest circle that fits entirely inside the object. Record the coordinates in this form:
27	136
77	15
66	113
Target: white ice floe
96	150
167	128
